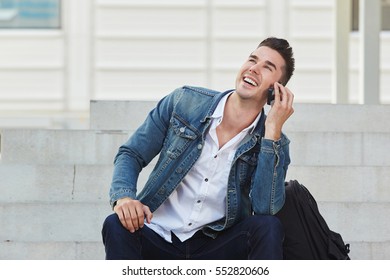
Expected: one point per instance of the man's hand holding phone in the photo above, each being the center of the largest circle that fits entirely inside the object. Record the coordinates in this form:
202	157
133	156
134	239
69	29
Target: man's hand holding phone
281	110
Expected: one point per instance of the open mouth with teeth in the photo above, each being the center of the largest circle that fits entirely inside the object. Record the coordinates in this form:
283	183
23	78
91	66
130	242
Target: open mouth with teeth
250	81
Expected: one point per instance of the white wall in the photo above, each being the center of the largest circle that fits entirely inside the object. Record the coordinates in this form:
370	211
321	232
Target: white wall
131	49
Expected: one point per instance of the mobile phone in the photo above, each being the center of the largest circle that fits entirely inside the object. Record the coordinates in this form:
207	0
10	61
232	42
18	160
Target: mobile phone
270	96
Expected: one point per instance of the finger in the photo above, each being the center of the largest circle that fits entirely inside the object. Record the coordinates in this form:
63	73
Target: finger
277	92
291	97
285	95
124	217
139	218
133	220
128	220
289	102
287	99
148	214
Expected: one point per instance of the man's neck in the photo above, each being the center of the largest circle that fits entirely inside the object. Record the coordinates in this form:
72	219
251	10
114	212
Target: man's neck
237	116
240	113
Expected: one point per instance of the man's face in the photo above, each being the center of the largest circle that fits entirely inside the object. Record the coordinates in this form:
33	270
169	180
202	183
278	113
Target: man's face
260	71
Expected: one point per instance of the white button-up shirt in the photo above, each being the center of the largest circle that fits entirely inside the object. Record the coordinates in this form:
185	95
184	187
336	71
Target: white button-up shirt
200	198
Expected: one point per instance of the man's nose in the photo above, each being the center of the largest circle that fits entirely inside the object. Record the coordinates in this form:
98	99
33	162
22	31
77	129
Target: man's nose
255	68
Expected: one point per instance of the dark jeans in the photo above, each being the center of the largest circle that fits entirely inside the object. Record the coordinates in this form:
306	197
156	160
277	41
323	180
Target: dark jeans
256	237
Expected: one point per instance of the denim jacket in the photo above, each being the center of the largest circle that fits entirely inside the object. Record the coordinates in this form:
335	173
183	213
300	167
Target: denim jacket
176	129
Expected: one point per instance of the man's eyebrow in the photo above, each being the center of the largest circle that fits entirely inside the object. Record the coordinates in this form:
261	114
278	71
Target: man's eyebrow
270	64
255	57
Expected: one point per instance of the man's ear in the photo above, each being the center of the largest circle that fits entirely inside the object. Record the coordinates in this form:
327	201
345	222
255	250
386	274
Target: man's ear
283	83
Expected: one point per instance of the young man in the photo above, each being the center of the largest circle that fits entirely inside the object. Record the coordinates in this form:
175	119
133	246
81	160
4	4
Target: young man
220	175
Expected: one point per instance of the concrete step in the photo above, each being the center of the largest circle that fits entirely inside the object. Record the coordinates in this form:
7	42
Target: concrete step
128	115
29	146
99	147
90	183
35	185
118	115
52	222
339	148
95	250
58	183
346	184
54	183
82	222
44	119
357	222
370	250
15	250
339	118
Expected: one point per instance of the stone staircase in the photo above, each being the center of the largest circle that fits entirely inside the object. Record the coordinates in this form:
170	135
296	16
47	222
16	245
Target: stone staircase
54	183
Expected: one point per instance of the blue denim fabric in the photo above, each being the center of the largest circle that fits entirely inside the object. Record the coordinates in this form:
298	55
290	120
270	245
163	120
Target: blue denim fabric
176	130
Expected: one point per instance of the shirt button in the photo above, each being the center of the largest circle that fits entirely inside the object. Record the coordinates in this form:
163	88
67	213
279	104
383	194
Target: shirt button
215	156
190	224
198	201
206	180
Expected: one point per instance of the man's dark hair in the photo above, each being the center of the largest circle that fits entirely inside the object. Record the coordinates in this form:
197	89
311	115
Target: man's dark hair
285	50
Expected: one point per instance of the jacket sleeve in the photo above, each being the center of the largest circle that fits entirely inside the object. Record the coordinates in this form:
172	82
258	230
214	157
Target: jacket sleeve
139	150
267	192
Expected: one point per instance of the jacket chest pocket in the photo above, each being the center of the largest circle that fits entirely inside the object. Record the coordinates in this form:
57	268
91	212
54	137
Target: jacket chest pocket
181	135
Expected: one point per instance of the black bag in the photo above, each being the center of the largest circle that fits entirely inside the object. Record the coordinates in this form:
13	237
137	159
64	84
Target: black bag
307	235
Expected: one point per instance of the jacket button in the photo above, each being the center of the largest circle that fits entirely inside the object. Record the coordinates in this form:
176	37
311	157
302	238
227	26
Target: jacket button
200	146
182	129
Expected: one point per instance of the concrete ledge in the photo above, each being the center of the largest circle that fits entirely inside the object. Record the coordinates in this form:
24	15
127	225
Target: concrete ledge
339	118
128	115
90	183
358	222
67	222
58	183
100	147
339	148
22	183
30	146
95	251
52	251
52	222
370	250
118	115
344	184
